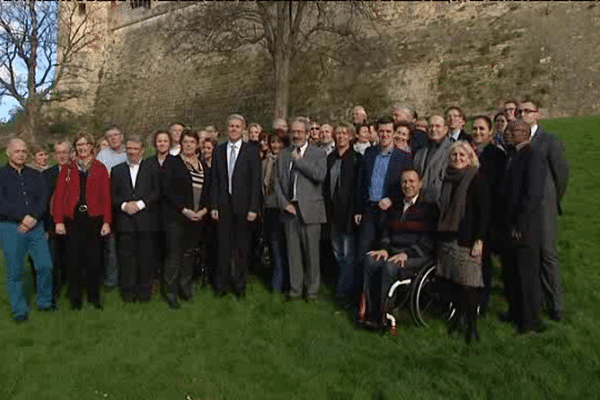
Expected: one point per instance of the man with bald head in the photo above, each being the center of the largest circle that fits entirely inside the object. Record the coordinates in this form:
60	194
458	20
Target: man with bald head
432	160
523	190
23	200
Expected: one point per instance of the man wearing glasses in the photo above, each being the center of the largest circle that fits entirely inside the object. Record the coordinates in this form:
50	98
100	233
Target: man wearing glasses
557	174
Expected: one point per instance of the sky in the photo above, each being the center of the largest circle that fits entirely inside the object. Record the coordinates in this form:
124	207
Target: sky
7	104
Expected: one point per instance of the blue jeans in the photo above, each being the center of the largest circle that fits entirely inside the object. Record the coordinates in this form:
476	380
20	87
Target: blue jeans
15	246
343	250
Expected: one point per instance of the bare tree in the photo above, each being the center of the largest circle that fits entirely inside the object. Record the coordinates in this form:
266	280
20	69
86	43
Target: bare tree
34	56
285	29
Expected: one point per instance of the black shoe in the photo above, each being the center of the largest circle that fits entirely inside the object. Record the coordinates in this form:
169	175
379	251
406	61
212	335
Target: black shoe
76	305
555	316
186	298
48	309
240	295
20	319
506	317
98	306
173	304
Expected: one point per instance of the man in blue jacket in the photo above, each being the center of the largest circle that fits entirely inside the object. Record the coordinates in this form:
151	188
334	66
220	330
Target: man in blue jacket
23	199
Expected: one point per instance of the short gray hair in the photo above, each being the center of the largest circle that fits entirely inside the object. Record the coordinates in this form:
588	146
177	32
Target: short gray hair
304	121
239	117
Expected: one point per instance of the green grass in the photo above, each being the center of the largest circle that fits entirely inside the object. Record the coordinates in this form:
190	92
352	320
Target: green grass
261	348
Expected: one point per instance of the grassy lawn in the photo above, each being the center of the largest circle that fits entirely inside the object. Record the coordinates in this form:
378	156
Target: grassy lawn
261	348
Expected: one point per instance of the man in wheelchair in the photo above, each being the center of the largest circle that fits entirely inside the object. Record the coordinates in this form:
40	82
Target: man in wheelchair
407	243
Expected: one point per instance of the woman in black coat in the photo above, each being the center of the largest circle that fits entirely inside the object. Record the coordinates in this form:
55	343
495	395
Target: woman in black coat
186	182
464	211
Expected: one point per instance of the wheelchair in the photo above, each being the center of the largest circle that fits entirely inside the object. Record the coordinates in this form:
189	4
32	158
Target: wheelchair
421	293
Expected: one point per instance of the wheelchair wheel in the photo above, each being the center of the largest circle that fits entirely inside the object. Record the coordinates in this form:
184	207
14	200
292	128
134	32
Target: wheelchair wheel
425	300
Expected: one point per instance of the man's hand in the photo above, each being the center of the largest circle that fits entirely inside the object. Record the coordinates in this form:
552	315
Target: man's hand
398	258
215	214
296	154
378	254
357	218
23	228
476	250
201	213
385	203
60	229
251	217
189	214
105	231
131	207
29	221
290	209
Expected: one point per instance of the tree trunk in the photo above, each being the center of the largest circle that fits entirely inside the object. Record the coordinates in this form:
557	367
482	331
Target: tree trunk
282	84
281	58
32	103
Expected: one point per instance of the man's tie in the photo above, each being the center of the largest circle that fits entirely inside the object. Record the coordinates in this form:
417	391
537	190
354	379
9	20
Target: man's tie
232	158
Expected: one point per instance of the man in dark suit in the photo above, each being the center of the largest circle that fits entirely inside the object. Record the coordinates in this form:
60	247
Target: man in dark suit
378	190
302	170
456	120
432	160
524	191
556	177
135	192
235	196
407	243
58	243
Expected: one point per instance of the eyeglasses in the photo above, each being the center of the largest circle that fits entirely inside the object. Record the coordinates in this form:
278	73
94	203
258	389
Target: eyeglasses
525	111
314	129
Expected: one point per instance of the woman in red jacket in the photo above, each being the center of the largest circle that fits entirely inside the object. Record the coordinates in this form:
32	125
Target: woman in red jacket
81	208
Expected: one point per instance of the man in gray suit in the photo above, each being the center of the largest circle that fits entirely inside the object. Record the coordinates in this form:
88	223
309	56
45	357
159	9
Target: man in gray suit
557	174
302	170
432	160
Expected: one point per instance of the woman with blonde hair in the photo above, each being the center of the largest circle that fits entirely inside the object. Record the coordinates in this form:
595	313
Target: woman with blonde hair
464	212
81	209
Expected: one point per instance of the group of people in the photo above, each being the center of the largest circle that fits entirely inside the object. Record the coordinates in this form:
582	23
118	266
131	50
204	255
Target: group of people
386	196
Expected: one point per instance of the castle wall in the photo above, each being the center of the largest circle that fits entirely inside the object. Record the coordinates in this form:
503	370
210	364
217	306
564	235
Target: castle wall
428	55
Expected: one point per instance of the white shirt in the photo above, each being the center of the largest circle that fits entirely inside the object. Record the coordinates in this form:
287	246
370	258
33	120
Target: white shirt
533	131
455	134
134	169
408	203
301	150
175	150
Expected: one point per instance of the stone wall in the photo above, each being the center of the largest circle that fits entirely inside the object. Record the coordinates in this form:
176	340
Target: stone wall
428	55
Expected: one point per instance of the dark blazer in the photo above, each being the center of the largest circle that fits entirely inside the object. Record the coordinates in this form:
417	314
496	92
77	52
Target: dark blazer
246	182
177	189
492	165
400	161
474	223
411	232
51	176
557	175
147	189
418	140
523	191
340	206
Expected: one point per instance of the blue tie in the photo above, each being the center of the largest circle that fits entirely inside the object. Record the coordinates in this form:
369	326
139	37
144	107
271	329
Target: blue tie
232	158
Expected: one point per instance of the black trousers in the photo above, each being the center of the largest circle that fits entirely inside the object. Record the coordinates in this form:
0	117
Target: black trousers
371	228
137	262
182	238
84	249
233	235
58	249
523	284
